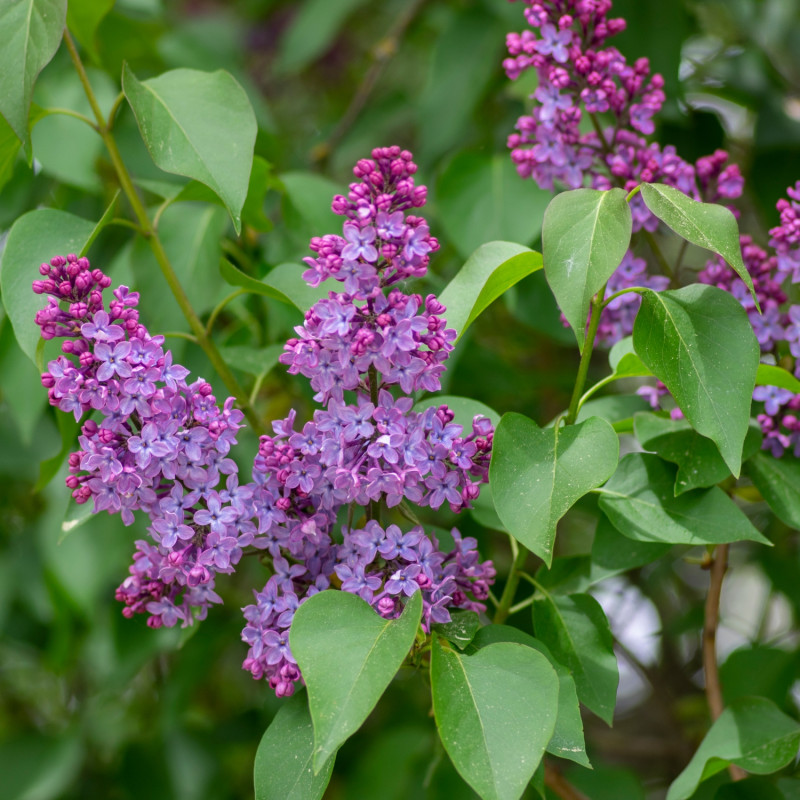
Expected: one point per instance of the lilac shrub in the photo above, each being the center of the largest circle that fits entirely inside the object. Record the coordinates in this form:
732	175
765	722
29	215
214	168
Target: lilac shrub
581	79
313	508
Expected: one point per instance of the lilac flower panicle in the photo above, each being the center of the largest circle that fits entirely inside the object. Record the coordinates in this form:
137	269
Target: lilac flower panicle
161	446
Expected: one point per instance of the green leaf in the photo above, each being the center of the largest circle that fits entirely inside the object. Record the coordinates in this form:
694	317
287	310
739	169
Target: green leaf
108	215
464	408
312	31
199	125
764	671
348	654
707	225
311	195
255	361
20	386
288	280
283	769
30	33
698	459
48	469
9	150
576	631
778	480
585	235
640	501
568	741
33	239
538	474
233	276
481	198
261	182
613	553
491	270
624	362
750	733
769	375
496	711
461	629
615	408
83	18
699	342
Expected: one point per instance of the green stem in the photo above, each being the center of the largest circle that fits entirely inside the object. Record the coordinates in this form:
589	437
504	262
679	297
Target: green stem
507	598
662	262
221	305
149	232
68	112
633	192
586	356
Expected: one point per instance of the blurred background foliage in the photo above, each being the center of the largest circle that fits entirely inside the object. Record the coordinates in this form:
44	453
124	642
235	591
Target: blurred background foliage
96	706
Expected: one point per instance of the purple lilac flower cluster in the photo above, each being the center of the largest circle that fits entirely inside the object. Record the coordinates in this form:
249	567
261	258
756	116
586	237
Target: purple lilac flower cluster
582	79
371	447
579	78
161	446
777	327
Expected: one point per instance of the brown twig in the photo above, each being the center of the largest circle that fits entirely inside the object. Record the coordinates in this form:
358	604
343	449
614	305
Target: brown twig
382	54
716	705
558	784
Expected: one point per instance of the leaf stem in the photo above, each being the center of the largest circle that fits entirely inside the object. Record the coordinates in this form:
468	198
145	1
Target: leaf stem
510	589
68	112
719	565
149	233
586	356
220	306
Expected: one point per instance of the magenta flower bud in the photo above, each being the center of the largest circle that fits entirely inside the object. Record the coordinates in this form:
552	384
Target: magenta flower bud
58	261
386	606
48	381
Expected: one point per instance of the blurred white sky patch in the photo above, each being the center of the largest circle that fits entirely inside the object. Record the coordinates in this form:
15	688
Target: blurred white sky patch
636	625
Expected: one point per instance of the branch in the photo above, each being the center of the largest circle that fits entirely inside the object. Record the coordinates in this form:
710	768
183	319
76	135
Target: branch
719	565
558	784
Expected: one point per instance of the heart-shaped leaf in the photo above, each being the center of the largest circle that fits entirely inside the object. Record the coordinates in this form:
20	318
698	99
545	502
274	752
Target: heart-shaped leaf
576	631
751	733
640	501
568	741
489	272
705	224
496	711
699	341
348	654
199	125
284	760
585	235
538	474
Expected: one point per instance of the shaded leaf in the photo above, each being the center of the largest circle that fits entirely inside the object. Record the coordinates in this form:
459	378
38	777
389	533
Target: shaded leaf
283	768
83	18
585	235
778	480
348	654
461	629
699	463
576	631
253	360
496	711
35	238
750	733
640	501
491	270
481	199
30	33
199	125
707	225
232	275
538	474
699	341
288	280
